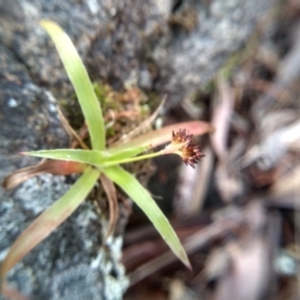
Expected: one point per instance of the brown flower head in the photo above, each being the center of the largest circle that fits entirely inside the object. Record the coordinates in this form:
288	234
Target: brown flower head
191	154
181	136
182	144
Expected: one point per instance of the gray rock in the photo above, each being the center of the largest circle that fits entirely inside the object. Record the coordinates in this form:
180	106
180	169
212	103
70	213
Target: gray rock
70	263
171	48
163	46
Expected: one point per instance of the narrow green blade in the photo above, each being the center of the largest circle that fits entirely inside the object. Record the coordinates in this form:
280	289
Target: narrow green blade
143	199
49	220
81	82
92	157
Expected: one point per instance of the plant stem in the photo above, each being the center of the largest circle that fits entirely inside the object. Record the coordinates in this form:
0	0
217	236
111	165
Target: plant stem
132	159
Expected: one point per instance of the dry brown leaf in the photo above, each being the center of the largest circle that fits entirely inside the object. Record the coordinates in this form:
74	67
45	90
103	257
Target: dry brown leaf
72	133
221	118
287	185
248	273
56	167
217	264
247	278
228	174
178	291
232	219
111	194
274	144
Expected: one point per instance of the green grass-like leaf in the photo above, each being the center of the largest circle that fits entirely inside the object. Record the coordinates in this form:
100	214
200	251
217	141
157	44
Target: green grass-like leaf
92	157
142	198
81	82
50	219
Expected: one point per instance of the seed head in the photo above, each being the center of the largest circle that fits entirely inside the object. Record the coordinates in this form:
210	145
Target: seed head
183	145
181	136
191	154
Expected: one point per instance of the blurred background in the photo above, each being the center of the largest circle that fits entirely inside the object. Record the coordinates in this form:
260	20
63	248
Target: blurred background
237	212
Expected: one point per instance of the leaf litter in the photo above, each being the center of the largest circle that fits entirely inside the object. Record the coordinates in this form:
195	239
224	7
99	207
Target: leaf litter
238	219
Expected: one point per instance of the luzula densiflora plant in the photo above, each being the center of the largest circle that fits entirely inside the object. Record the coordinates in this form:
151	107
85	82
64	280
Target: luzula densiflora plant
99	162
